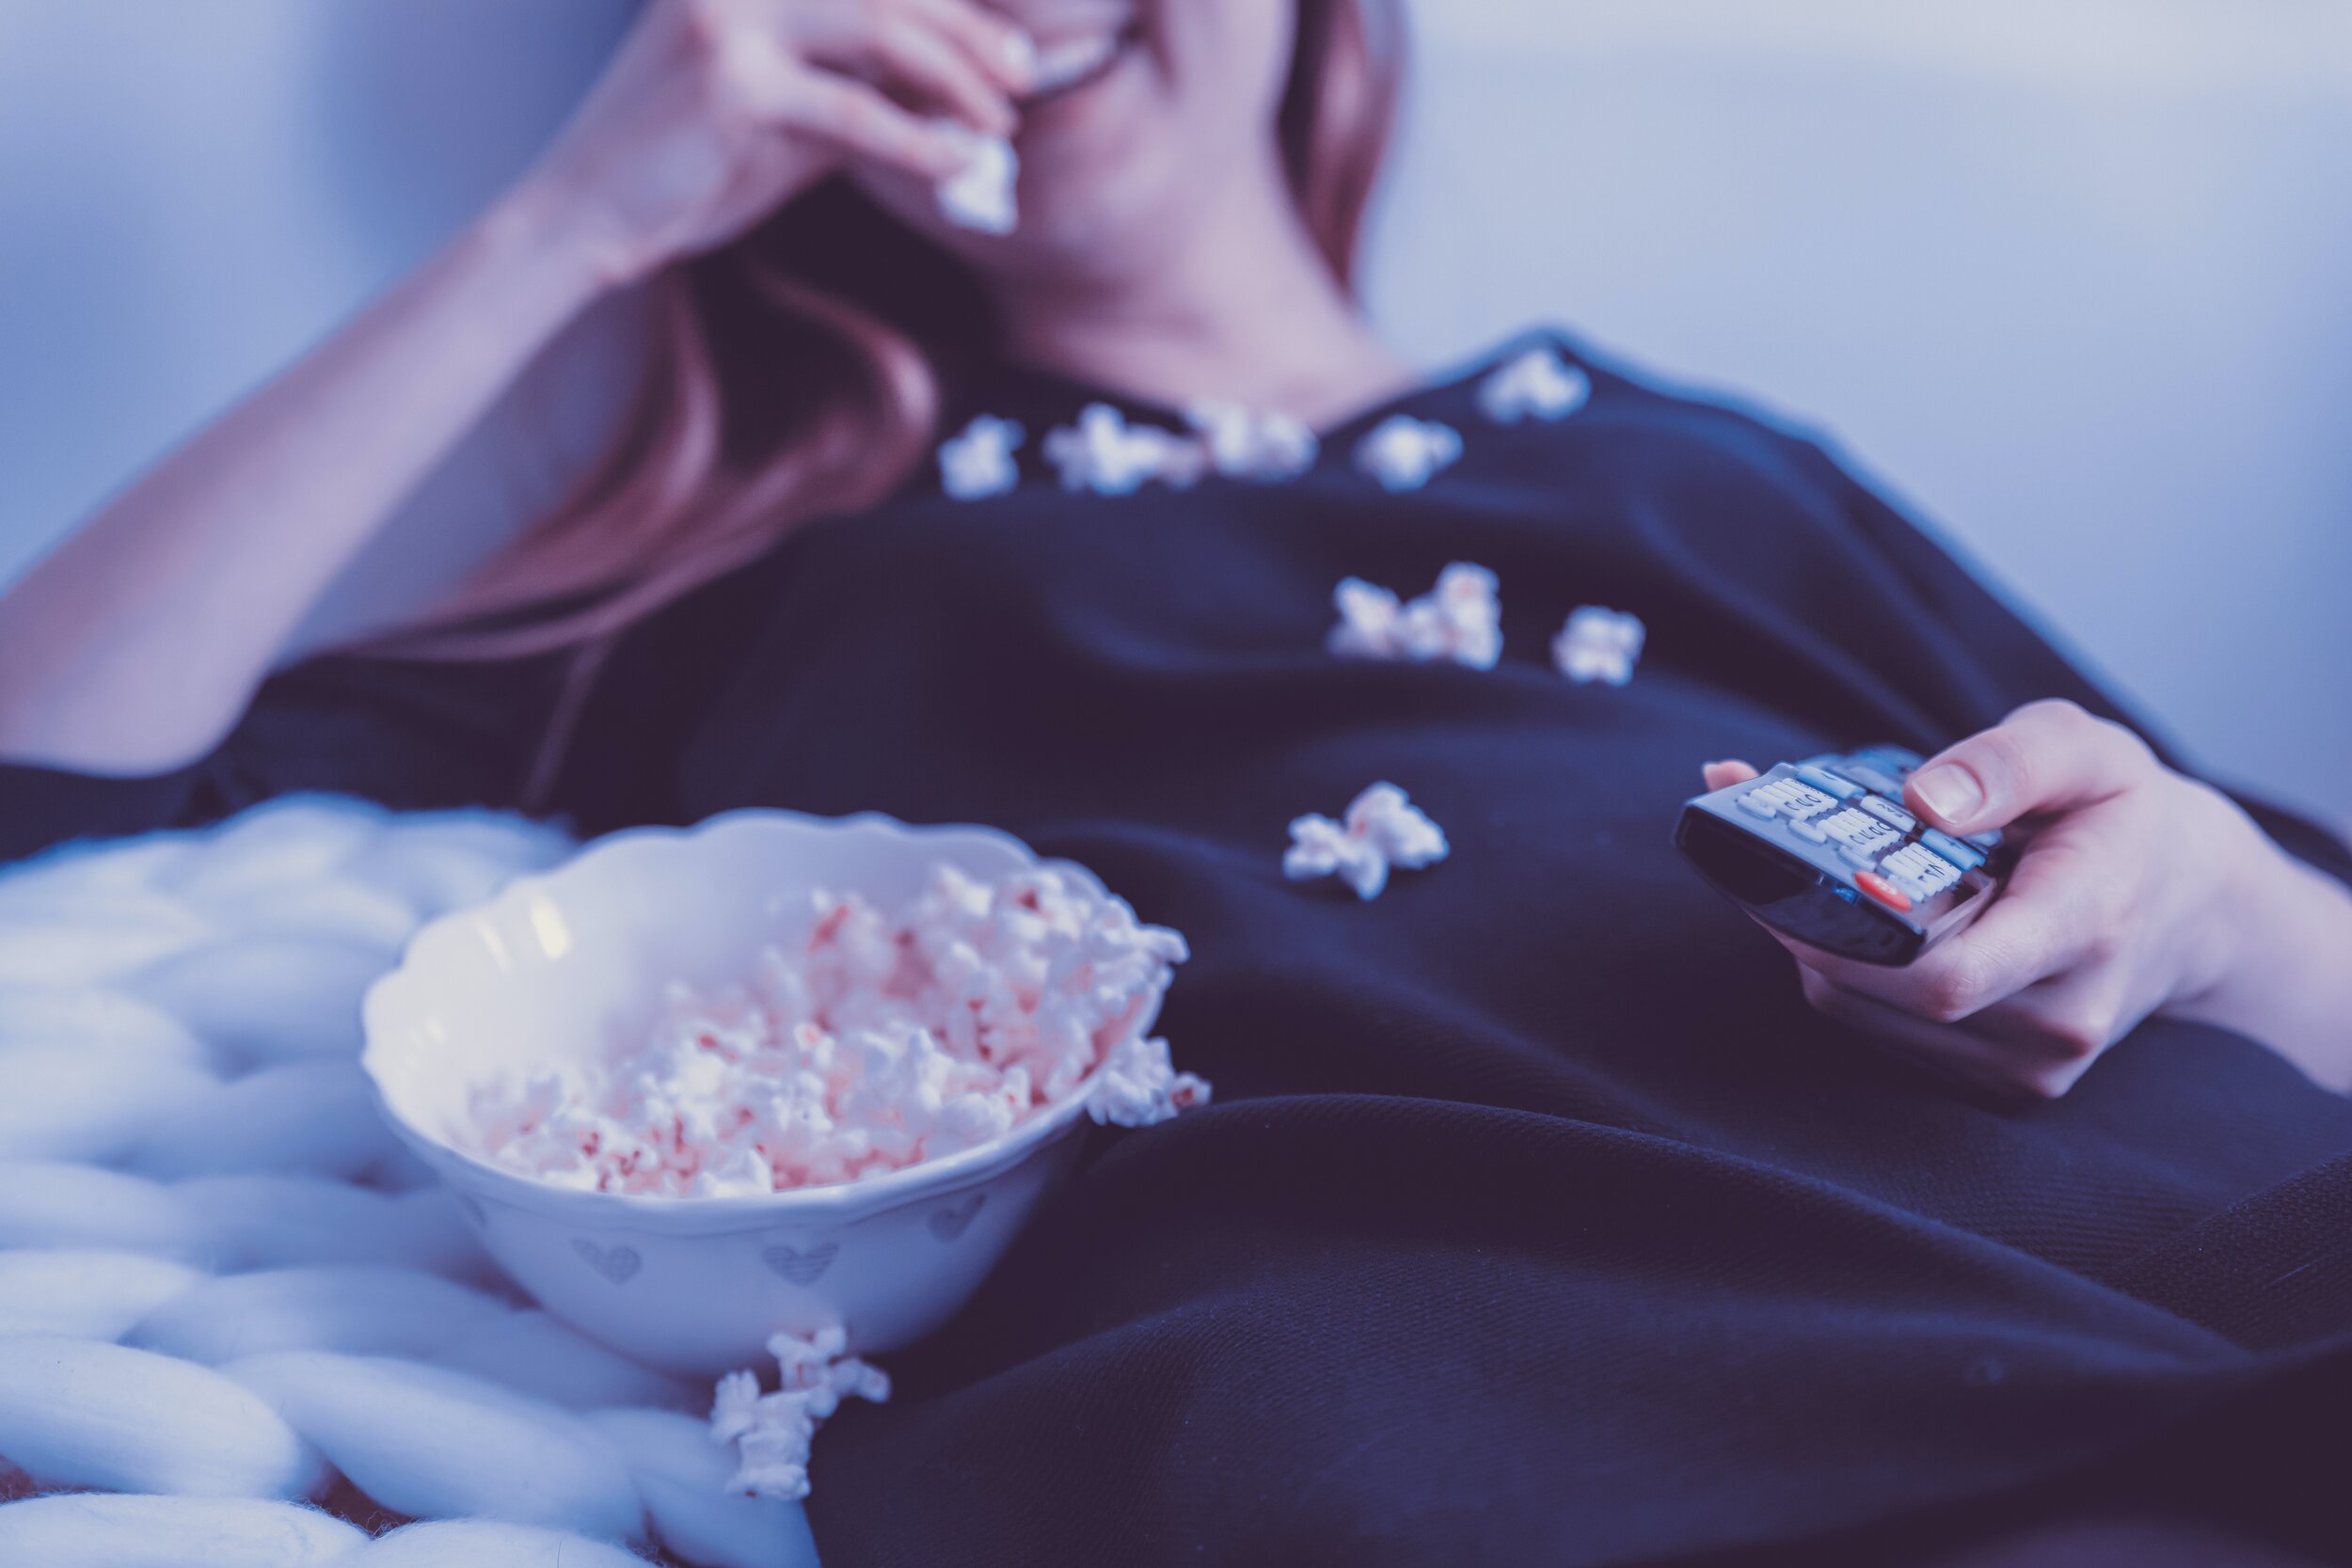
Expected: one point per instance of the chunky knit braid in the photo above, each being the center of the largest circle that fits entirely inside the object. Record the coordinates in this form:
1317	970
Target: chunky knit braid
225	1289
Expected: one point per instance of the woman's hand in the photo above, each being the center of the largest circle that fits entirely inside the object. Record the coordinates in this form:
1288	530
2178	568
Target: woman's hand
714	112
2138	891
133	646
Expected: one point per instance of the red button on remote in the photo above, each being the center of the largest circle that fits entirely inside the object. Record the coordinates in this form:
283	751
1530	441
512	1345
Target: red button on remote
1881	889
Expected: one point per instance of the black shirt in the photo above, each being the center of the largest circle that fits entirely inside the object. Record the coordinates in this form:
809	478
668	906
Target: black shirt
1537	1219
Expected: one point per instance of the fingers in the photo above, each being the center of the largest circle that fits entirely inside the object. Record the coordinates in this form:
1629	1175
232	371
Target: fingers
1950	1053
996	44
2047	756
914	54
2013	1054
866	75
860	121
2051	919
1723	775
943	55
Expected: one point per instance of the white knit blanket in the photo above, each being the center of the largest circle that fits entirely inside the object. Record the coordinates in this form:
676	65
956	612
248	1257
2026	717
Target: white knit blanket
226	1293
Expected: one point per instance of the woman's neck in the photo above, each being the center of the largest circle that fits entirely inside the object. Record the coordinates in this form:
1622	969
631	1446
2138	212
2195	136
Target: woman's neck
1244	308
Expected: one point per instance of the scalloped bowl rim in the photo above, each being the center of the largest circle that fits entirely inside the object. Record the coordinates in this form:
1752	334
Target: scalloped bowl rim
832	1203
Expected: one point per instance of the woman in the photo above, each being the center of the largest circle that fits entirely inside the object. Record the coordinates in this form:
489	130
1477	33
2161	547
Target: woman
1541	1219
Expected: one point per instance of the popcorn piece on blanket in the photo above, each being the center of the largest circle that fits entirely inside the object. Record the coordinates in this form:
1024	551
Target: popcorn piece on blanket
1103	454
876	1044
1403	453
1383	828
1459	620
1598	645
1537	383
980	196
1248	444
772	1432
978	463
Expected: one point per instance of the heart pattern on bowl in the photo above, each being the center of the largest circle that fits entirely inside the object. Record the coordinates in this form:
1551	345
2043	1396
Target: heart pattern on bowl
801	1266
618	1265
953	1220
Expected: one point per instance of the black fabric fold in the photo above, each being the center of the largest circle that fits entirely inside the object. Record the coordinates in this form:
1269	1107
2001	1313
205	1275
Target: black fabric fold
41	807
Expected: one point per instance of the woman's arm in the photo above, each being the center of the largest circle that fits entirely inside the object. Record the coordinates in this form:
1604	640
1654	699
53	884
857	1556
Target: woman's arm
133	647
2289	983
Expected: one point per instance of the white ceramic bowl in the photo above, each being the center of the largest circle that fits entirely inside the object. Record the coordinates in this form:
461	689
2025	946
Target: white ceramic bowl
564	964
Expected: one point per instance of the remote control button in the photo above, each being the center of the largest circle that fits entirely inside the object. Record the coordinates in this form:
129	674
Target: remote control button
1889	813
1808	830
1846	824
1892	759
1864	846
1884	891
1802	801
1870	778
1828	783
1958	851
1920	871
1755	803
1861	851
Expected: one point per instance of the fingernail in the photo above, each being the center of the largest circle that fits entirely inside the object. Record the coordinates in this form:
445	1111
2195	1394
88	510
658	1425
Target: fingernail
1949	791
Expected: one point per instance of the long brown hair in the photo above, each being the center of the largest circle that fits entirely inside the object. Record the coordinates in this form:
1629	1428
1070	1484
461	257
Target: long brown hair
801	371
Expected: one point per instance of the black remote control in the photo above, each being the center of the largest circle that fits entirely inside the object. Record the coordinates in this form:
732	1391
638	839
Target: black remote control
1826	851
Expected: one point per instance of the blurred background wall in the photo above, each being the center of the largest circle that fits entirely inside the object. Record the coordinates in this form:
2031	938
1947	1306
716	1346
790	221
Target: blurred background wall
2072	276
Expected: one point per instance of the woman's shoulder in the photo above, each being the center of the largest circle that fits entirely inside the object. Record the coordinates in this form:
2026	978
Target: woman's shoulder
1549	393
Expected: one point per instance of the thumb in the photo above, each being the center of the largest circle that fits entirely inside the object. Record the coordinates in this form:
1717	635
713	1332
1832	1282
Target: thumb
2046	757
1723	775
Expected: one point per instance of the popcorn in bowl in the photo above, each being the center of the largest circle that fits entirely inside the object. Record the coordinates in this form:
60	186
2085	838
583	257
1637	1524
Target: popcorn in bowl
875	1043
879	1000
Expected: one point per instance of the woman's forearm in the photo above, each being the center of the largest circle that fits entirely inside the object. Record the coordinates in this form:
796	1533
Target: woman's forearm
134	646
2289	983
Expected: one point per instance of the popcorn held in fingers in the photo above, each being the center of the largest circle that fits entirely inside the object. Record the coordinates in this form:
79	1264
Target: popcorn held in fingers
870	1045
1460	620
1383	830
978	463
1265	447
1105	455
1536	385
772	1432
1403	453
1598	645
979	195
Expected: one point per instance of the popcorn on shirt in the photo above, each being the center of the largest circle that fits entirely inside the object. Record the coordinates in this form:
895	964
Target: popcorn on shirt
1598	645
1105	455
1266	447
1536	384
1382	830
1459	620
978	463
1402	452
